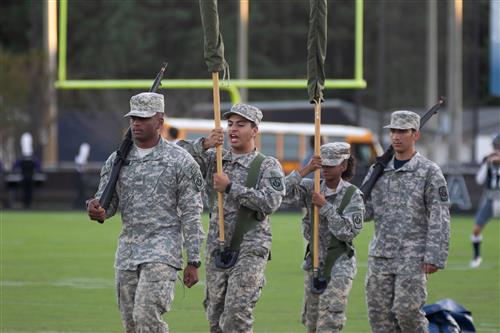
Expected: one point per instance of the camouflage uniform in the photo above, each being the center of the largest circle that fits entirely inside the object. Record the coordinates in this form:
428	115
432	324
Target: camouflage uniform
231	294
326	312
159	197
410	208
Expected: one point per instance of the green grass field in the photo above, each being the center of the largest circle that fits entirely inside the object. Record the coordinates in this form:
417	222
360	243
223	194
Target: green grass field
56	272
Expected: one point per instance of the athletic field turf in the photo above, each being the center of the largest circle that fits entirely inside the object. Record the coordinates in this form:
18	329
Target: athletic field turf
56	272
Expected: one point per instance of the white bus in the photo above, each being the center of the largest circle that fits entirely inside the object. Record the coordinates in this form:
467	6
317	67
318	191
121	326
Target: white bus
290	142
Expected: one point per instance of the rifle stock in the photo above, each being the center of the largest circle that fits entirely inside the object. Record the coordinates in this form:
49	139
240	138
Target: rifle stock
122	153
378	168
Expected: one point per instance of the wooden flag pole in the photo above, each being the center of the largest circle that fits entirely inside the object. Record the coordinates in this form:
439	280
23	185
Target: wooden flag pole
218	156
317	143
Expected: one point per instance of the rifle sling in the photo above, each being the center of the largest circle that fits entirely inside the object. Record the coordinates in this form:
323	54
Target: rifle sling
336	247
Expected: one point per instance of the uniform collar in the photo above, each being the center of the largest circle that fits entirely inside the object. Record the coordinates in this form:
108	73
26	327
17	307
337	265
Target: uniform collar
411	165
340	186
244	160
155	154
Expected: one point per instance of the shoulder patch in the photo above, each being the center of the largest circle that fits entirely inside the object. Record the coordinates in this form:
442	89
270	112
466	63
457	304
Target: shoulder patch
443	193
194	173
358	220
276	183
198	181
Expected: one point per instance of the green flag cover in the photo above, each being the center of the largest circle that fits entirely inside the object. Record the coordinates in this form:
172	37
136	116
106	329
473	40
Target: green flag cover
213	44
316	49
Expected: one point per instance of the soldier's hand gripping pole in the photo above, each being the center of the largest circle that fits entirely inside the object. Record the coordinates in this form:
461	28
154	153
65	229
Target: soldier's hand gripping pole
218	156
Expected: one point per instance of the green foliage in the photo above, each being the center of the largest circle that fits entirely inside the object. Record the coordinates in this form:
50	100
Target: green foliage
58	268
20	75
129	39
14	25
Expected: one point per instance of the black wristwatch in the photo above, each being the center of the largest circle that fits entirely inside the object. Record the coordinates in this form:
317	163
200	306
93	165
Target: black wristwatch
195	264
228	187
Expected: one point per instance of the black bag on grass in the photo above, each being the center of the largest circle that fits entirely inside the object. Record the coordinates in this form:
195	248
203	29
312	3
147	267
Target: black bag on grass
447	316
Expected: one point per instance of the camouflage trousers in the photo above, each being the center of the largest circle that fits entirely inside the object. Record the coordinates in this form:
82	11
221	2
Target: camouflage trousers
396	290
231	294
144	295
325	313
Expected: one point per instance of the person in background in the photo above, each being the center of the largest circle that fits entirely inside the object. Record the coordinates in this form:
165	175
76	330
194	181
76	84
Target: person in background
27	165
3	187
489	176
173	134
81	161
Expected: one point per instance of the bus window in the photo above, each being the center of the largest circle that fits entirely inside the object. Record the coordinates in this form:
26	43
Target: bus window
365	156
334	139
363	153
291	147
268	144
194	135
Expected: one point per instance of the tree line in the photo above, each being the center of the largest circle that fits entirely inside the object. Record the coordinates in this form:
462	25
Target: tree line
129	40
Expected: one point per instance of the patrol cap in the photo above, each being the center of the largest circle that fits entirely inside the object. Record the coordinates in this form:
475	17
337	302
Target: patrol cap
146	105
334	153
404	120
246	111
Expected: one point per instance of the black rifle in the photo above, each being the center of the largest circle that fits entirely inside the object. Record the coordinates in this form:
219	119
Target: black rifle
122	153
382	161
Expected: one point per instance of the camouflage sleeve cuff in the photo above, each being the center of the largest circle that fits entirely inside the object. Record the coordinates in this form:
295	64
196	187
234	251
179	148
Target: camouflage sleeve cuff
198	146
293	178
237	189
434	261
193	258
326	210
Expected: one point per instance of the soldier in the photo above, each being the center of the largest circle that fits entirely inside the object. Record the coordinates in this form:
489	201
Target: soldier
341	210
159	196
410	207
234	278
488	175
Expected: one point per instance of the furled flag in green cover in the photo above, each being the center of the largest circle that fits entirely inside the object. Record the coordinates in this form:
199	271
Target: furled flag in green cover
316	49
213	44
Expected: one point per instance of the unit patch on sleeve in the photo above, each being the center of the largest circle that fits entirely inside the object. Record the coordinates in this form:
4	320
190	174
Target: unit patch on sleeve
358	221
198	181
276	183
275	178
443	193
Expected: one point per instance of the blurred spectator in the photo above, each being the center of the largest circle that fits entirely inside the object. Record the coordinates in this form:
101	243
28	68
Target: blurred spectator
488	175
3	187
27	165
81	161
173	134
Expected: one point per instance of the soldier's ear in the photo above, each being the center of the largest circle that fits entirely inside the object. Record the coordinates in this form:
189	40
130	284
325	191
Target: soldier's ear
417	135
160	121
255	131
344	165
